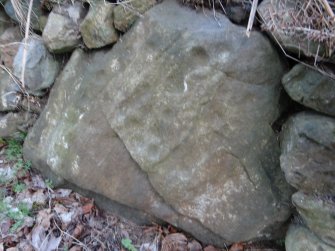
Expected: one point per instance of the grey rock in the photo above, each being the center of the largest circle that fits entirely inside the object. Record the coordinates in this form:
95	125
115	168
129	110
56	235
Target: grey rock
292	42
168	114
127	13
238	10
71	128
13	123
311	89
8	91
97	28
41	67
318	213
10	40
36	10
188	117
299	238
308	153
61	33
5	21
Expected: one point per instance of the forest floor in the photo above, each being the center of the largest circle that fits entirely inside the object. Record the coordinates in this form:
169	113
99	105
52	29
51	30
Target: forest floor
36	216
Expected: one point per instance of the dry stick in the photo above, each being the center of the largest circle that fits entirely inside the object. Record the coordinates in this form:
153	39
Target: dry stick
26	36
328	8
252	16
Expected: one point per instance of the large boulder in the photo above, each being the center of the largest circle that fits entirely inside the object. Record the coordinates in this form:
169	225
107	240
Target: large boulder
308	153
174	121
41	68
311	88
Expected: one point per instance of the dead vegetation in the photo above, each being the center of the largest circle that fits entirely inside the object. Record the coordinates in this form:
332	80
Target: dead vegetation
311	20
306	22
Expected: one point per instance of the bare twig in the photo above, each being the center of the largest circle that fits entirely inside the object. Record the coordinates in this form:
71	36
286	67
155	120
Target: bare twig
252	16
26	37
328	8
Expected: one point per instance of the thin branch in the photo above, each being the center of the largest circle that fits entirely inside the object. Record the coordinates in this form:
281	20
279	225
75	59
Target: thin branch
328	8
252	16
26	37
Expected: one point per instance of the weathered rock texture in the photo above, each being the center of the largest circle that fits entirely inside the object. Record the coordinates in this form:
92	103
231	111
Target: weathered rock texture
61	33
125	14
13	123
5	21
97	29
8	88
318	213
165	123
308	153
311	88
300	238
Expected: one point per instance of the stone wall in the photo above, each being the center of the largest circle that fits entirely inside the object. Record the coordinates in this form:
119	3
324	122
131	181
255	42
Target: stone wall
173	114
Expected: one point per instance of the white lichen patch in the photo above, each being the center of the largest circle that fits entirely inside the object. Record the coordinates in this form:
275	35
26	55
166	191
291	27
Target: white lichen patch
75	166
115	65
3	123
149	58
224	57
53	162
231	187
207	206
65	144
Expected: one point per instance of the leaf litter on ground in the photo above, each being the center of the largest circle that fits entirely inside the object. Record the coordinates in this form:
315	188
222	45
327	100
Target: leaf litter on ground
34	216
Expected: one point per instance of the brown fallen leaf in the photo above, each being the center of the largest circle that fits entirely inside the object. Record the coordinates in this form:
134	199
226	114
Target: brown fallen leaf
12	249
171	229
64	214
77	232
175	242
237	247
75	248
210	248
25	245
87	208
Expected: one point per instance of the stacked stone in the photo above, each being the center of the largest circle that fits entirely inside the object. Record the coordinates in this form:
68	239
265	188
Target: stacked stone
64	26
308	159
308	138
